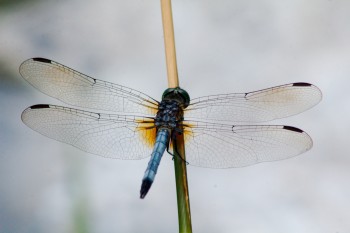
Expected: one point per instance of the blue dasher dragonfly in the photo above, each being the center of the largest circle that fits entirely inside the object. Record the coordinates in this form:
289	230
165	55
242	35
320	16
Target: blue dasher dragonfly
217	129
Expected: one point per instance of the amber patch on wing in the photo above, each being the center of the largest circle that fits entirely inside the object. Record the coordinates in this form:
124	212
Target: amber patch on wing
187	131
147	131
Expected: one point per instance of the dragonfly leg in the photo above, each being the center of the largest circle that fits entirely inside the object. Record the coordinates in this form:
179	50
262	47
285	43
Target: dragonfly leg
175	154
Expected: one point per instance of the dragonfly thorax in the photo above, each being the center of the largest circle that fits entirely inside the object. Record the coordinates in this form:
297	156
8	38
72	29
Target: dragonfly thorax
169	114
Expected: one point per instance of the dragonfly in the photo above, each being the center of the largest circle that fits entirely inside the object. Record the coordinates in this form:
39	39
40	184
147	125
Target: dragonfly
220	131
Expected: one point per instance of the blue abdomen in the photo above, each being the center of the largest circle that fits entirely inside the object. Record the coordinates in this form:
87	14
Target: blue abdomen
161	144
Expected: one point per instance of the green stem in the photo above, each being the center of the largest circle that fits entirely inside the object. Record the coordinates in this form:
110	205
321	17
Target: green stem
183	200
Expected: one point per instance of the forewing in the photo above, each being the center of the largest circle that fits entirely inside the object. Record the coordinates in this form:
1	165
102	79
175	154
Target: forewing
74	88
225	146
258	106
107	135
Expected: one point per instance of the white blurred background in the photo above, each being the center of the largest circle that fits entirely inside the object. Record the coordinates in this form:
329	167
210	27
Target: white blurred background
222	47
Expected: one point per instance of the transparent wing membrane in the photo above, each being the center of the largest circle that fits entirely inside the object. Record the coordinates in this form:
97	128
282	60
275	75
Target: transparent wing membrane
131	137
258	106
208	142
77	89
108	135
224	146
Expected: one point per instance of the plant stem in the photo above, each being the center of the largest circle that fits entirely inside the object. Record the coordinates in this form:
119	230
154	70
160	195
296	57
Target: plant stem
183	201
169	42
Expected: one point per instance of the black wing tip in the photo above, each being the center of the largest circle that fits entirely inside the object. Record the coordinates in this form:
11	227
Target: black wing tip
301	84
39	106
291	128
40	59
146	185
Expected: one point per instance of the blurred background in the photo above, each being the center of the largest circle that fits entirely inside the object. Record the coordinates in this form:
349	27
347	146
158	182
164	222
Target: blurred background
222	47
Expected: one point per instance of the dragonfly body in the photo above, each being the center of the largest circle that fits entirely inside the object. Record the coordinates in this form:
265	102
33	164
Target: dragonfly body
168	122
219	130
157	154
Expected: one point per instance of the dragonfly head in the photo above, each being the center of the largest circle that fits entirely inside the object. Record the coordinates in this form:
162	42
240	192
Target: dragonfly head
177	94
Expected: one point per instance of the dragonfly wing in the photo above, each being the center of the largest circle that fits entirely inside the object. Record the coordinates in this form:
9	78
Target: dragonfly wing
225	146
108	135
258	106
74	88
